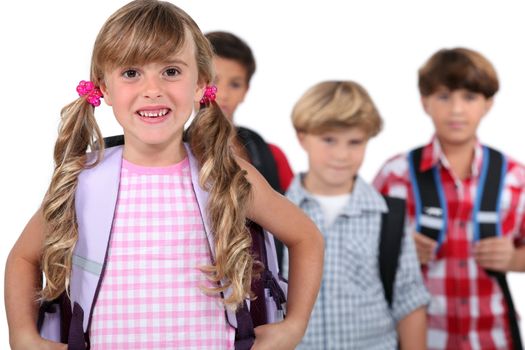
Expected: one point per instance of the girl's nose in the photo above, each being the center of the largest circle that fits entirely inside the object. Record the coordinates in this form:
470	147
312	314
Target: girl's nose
152	88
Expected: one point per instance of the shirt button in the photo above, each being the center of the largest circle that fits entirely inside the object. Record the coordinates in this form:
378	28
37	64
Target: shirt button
462	224
463	301
462	264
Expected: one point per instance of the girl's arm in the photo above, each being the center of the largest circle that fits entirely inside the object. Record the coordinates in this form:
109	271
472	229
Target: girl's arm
22	282
306	248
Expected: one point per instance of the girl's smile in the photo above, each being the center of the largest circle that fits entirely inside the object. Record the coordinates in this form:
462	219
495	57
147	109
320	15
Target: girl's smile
154	114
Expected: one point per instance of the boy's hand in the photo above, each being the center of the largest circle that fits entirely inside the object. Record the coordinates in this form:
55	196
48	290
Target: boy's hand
425	248
277	336
495	253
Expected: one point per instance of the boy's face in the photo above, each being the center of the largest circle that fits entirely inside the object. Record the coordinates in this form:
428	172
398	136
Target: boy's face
456	114
231	82
334	159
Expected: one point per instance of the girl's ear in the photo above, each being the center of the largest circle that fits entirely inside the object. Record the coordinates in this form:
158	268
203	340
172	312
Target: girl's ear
199	92
105	92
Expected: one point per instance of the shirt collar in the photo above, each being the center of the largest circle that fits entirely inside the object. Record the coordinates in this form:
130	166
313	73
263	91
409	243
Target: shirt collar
363	197
433	155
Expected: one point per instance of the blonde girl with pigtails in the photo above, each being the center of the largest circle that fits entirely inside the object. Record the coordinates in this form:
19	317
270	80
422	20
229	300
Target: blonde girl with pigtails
145	245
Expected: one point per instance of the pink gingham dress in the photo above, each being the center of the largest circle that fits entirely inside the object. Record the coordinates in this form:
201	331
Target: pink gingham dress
150	296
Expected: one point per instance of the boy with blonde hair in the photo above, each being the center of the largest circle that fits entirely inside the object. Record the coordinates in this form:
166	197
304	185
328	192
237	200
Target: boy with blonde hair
334	121
466	204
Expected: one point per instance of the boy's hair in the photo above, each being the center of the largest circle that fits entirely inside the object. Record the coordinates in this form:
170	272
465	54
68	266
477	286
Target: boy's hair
140	32
230	46
334	105
458	68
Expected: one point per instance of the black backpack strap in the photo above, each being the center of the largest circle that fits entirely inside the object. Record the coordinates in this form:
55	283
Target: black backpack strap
511	310
431	208
486	215
487	223
392	231
113	141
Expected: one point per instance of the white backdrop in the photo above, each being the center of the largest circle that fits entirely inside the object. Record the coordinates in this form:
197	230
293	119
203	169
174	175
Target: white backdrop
46	48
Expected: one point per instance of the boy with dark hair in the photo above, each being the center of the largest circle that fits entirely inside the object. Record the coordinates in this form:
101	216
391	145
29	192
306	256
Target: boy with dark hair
234	67
355	308
465	203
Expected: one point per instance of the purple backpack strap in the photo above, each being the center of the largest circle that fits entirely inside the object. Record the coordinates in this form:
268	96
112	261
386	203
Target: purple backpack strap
95	200
245	334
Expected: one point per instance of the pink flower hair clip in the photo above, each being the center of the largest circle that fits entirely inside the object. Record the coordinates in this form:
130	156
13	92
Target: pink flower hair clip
210	94
92	93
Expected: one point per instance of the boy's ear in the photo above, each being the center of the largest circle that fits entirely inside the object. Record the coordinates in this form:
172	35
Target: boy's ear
424	103
300	137
245	92
104	89
488	104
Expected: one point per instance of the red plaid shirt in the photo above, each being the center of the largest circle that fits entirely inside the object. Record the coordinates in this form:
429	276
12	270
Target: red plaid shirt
467	310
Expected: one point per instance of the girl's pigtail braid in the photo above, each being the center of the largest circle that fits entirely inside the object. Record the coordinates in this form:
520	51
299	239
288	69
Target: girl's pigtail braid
78	130
229	192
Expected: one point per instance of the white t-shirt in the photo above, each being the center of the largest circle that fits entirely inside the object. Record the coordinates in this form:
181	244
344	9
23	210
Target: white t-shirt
331	206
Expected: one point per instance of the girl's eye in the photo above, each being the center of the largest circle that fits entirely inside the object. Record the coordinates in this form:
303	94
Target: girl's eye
171	72
130	73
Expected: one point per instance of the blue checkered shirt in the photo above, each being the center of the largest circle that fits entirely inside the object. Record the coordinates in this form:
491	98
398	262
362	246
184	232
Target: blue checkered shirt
351	311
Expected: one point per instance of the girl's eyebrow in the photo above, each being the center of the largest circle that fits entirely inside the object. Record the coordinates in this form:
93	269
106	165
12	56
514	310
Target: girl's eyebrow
176	61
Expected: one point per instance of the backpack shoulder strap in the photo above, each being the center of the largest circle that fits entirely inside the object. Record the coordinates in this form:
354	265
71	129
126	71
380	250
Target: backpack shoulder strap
487	223
429	198
392	229
486	213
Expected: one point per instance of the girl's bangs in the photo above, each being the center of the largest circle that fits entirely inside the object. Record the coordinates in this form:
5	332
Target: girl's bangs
141	38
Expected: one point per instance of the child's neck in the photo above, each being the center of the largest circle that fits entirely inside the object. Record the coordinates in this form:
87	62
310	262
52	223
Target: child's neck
460	157
151	156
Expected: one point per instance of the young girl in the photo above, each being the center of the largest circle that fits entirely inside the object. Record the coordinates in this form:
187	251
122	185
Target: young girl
158	244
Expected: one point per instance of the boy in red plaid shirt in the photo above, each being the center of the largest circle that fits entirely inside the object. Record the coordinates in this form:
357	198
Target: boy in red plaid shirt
468	309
